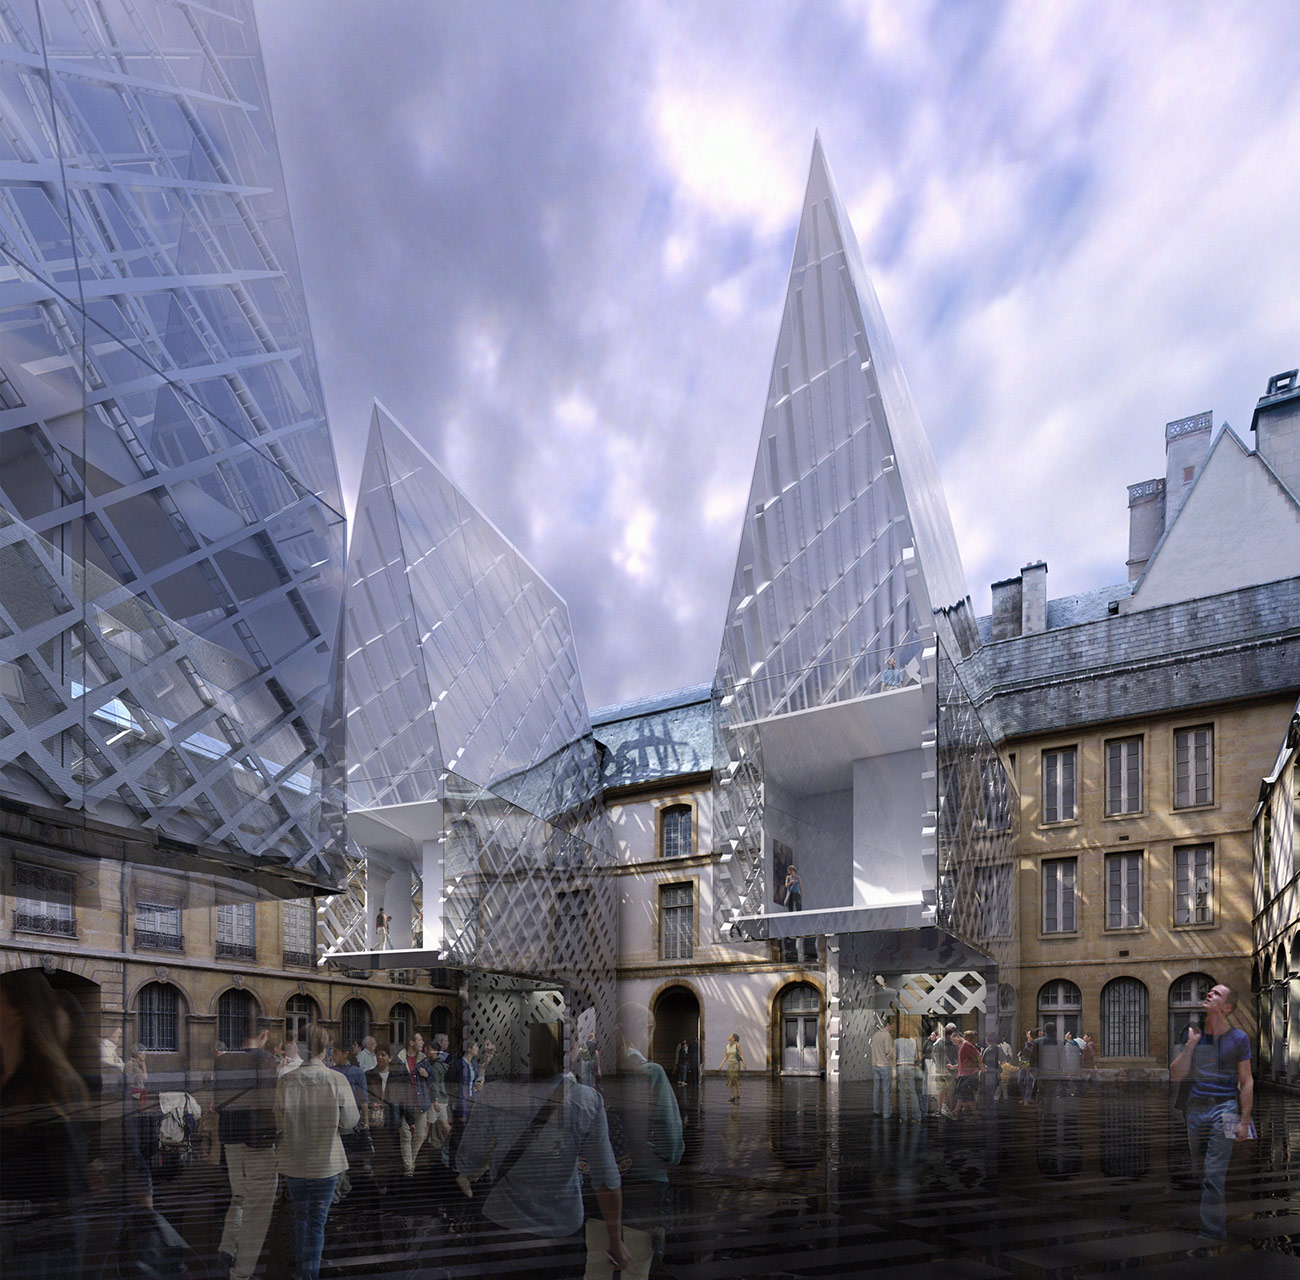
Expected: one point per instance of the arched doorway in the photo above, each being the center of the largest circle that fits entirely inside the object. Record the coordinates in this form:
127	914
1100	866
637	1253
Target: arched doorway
676	1018
83	1048
801	1016
1060	1006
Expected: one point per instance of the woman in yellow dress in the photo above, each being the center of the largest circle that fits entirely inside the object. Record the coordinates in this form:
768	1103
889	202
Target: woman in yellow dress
732	1061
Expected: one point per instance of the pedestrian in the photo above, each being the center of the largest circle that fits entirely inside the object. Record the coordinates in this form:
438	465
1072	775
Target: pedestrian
291	1059
43	1115
907	1068
683	1061
365	1055
793	890
314	1106
929	1082
244	1090
531	1137
649	1143
589	1062
1028	1066
733	1061
385	1090
882	1068
948	1066
383	930
357	1143
413	1101
968	1072
1217	1062
1088	1064
991	1072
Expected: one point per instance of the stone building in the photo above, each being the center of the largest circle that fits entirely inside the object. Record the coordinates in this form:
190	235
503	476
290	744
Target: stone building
1275	973
1137	720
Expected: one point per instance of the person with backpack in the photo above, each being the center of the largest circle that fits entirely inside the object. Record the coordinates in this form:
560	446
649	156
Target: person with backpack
531	1136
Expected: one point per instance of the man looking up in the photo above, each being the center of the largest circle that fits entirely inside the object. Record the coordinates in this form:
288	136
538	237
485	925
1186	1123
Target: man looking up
1217	1061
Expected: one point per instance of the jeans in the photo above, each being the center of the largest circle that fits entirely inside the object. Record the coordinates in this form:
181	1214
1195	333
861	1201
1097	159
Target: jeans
253	1185
881	1080
311	1198
907	1086
1211	1151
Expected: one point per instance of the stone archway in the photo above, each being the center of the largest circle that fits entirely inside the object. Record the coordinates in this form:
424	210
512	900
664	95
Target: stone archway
676	1012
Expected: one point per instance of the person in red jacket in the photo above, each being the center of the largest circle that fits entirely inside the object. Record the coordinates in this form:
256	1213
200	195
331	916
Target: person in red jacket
969	1063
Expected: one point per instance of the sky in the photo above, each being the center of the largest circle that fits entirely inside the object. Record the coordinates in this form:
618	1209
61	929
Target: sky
554	239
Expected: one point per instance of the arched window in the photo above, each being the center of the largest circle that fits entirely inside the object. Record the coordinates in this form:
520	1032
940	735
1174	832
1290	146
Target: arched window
401	1023
158	1018
234	1008
1185	996
675	831
1060	1006
354	1023
1125	1031
299	1013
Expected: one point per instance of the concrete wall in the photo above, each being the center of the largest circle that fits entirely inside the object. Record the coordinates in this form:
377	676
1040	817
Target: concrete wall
888	803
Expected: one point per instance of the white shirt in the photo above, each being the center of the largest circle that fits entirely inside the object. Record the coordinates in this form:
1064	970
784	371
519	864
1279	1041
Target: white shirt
313	1105
366	1060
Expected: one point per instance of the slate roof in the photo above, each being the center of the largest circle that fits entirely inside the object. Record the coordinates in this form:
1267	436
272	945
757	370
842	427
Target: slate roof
656	738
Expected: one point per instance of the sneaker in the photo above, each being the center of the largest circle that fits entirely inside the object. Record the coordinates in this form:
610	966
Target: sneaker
946	1112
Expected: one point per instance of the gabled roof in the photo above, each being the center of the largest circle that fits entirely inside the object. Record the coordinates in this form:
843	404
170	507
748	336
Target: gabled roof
1237	526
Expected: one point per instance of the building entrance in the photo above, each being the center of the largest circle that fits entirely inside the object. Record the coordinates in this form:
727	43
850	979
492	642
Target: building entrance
677	1018
801	1030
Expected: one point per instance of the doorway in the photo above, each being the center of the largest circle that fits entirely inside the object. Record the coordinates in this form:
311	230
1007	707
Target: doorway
801	1030
676	1018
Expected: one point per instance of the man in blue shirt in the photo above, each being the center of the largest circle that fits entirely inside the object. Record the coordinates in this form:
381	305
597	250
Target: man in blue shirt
1217	1061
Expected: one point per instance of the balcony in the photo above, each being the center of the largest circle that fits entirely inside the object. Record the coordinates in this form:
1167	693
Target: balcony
152	940
297	959
236	950
36	922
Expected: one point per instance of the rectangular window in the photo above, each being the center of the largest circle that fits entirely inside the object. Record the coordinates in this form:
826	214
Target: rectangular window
1194	766
676	921
299	941
993	891
1194	885
1058	785
235	940
676	828
1059	878
1124	776
158	927
1123	890
44	901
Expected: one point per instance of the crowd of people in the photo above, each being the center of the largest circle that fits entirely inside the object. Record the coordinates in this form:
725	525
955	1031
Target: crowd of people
951	1075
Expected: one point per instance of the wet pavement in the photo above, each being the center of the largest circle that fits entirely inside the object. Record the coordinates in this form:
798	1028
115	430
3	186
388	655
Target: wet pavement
801	1180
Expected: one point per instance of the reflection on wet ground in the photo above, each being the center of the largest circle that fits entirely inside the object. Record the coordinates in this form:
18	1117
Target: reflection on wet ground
801	1180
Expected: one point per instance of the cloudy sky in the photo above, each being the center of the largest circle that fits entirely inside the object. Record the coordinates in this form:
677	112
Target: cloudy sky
554	238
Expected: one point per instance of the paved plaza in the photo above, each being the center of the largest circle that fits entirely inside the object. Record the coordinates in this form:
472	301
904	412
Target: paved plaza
801	1180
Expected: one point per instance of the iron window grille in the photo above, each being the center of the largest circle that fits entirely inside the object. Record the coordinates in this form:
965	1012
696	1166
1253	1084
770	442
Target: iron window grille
157	1015
44	901
234	1009
354	1023
1124	1019
158	928
299	932
401	1022
235	932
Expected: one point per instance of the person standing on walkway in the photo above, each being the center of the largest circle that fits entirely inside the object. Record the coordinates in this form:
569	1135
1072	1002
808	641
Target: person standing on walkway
968	1074
244	1087
1028	1066
314	1106
882	1068
414	1101
1217	1061
793	890
908	1069
732	1062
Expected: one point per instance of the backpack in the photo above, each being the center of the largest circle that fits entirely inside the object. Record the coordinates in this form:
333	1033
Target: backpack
171	1133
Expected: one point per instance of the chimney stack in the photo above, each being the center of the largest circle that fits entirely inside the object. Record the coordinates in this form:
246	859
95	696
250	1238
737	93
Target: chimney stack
1146	523
1276	425
1006	609
1187	441
1033	598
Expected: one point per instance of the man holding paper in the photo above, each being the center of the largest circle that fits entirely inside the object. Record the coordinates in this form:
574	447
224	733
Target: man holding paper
1217	1062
